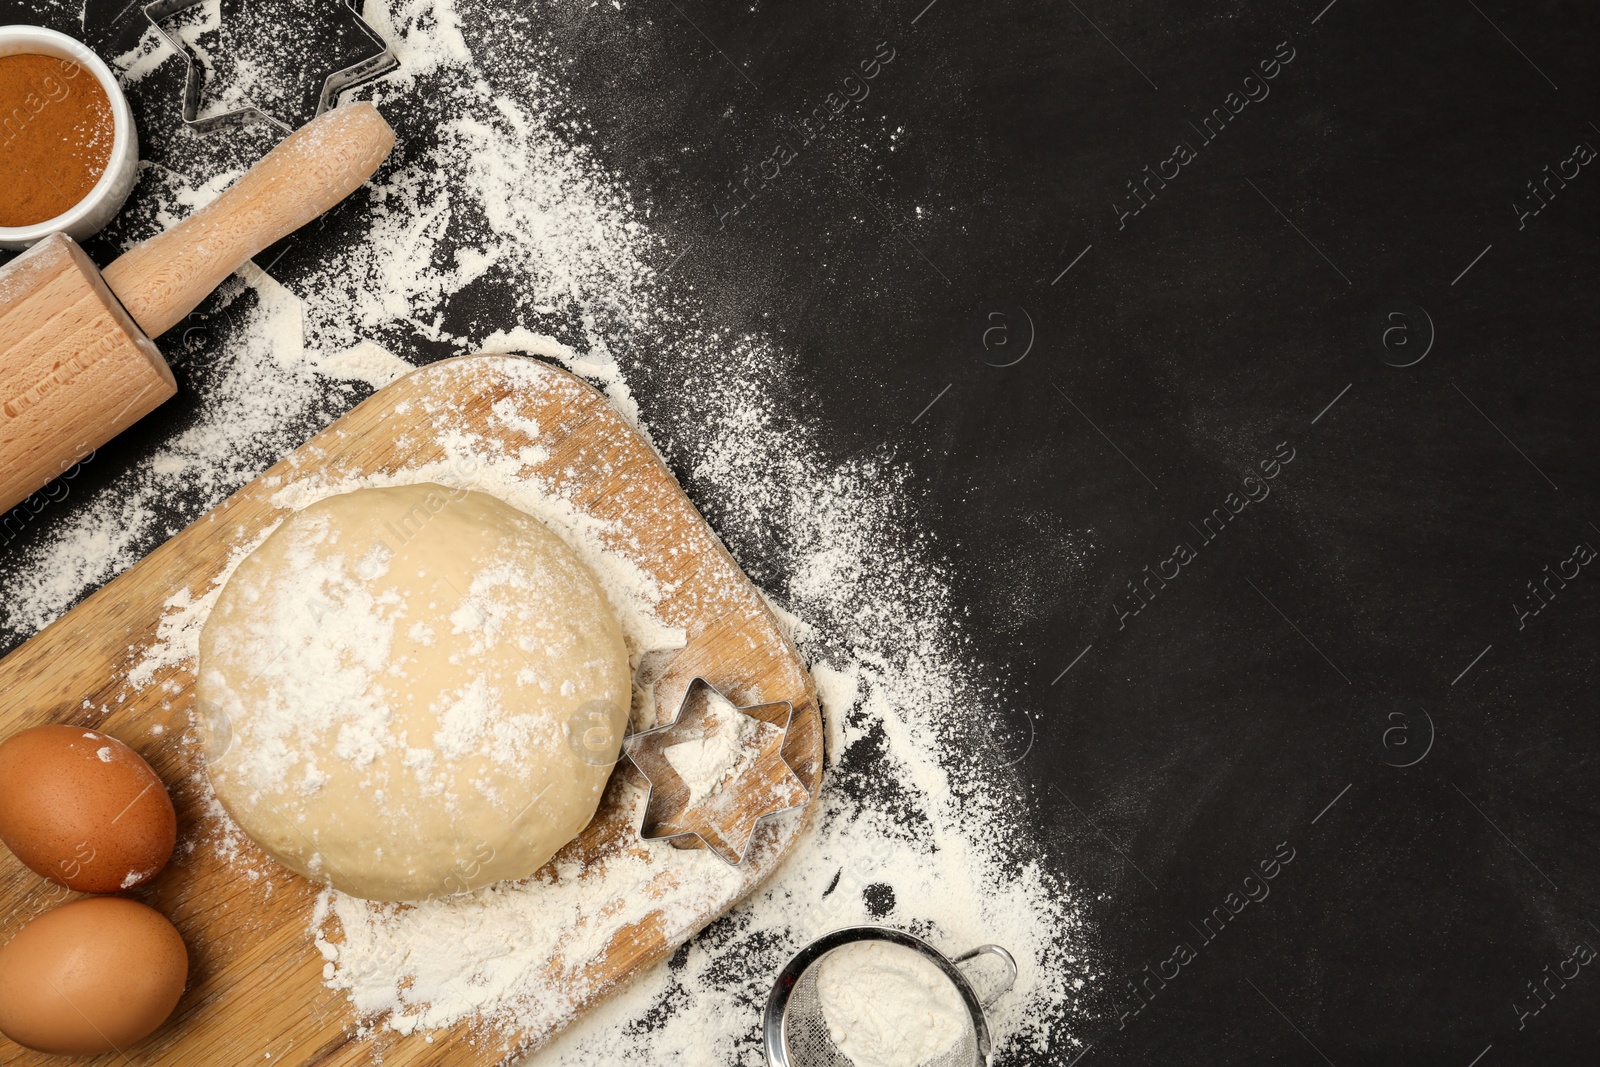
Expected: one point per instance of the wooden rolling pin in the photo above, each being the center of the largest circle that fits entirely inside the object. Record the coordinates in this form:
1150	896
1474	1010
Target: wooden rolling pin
77	366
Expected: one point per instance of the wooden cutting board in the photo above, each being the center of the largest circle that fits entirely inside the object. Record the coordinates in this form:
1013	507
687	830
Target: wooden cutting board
256	993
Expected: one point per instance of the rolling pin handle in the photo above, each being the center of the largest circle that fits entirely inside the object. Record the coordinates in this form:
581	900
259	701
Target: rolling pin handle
166	277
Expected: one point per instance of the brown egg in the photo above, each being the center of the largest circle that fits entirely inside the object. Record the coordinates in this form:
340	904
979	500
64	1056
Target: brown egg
92	976
83	809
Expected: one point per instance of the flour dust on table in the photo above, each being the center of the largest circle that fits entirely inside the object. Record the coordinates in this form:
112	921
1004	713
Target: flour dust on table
494	227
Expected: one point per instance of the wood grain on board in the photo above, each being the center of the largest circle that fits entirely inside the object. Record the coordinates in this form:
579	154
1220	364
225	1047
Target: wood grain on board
256	993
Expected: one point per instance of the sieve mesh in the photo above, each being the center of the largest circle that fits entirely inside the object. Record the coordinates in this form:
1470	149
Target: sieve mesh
809	1044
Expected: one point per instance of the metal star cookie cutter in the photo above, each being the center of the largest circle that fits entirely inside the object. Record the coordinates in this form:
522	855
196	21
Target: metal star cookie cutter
194	82
668	815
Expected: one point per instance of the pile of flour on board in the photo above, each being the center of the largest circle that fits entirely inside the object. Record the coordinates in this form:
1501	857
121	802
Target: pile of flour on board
729	747
492	200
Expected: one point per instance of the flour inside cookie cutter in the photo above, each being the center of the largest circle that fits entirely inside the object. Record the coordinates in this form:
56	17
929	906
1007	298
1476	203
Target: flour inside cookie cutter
724	824
194	82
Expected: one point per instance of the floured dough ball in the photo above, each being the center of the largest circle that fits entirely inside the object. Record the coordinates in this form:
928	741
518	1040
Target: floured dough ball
412	692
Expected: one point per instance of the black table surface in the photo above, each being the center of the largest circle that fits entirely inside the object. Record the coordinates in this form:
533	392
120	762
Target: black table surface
1263	463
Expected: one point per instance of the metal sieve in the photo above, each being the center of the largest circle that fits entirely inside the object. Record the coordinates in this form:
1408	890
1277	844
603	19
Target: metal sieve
797	1031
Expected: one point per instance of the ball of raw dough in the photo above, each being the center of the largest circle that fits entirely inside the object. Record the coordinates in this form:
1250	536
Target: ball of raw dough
412	691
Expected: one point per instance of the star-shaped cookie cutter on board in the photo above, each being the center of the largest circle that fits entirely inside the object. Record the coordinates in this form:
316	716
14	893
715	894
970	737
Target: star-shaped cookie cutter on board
374	66
726	822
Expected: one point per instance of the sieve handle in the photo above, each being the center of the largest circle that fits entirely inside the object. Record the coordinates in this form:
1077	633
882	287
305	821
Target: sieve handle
1005	957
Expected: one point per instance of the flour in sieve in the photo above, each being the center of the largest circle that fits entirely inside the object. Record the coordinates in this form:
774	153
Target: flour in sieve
886	1005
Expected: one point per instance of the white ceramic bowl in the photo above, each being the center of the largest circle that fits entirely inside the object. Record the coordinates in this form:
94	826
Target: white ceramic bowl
90	214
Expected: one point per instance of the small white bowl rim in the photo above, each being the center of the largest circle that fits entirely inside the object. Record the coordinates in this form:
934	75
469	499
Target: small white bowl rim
122	128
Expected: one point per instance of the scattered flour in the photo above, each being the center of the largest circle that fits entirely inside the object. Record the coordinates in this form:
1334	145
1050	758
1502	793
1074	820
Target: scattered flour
365	362
133	878
511	953
492	200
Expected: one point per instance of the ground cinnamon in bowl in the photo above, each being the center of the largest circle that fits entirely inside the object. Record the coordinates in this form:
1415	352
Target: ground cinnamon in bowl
56	134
